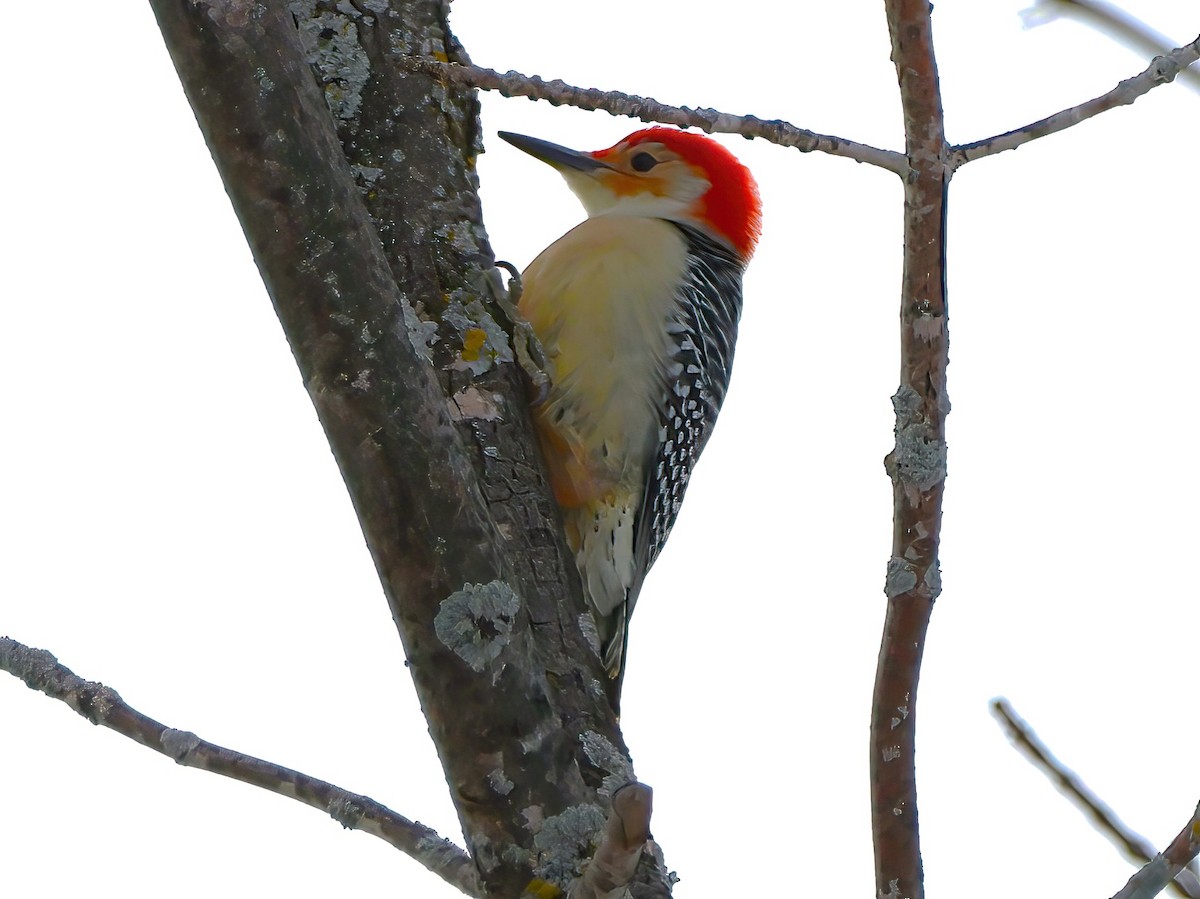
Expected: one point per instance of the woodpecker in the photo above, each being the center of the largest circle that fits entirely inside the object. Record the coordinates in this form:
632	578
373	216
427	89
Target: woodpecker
637	310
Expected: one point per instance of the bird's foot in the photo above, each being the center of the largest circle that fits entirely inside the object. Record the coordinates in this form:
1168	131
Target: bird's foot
530	353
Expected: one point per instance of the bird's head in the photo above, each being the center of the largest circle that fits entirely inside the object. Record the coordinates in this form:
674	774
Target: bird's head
662	173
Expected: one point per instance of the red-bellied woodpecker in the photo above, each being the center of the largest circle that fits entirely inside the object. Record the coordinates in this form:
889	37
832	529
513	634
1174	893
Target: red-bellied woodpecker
637	310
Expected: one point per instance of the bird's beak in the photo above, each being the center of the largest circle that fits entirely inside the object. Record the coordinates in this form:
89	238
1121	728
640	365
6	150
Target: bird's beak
559	157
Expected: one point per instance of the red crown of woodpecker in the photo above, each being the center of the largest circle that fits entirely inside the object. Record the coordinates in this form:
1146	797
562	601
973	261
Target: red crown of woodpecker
731	206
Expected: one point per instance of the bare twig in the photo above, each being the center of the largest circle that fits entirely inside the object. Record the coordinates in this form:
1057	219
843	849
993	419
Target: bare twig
40	670
1161	71
1167	865
917	465
559	93
1114	22
612	868
1133	846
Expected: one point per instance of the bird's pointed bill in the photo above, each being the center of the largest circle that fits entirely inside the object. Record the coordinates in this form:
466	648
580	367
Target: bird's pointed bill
553	154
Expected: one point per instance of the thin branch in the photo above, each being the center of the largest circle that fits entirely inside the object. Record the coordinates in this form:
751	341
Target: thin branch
917	465
40	670
1135	847
1114	22
559	93
1167	865
1161	71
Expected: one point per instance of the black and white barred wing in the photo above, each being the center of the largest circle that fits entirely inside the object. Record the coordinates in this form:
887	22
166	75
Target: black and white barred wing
704	332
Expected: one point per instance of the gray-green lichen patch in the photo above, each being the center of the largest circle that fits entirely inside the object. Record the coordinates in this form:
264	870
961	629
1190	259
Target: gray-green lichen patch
901	577
604	755
346	811
461	238
476	622
933	579
368	173
919	459
264	81
422	333
179	744
437	852
331	45
499	782
516	856
483	342
566	841
907	403
416	36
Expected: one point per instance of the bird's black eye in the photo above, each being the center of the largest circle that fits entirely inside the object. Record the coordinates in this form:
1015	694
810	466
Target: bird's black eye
643	162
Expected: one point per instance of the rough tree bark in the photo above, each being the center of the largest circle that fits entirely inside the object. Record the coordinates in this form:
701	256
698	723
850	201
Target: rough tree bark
353	181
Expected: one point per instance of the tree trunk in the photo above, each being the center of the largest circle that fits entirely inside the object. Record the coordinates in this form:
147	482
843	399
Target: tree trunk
357	194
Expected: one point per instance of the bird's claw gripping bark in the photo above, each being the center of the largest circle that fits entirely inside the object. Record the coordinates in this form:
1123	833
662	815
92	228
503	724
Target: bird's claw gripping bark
531	356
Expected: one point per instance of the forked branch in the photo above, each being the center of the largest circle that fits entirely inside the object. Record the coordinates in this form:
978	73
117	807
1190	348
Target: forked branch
1133	846
1167	865
917	465
559	93
1162	70
40	670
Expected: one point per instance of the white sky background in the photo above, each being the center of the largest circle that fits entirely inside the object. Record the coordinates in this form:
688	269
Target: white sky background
172	522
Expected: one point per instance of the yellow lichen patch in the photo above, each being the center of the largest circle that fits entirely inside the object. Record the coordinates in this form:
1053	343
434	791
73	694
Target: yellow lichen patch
541	889
473	341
